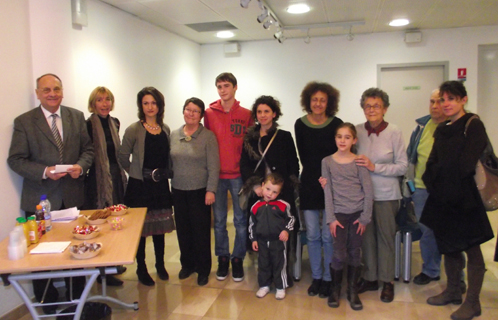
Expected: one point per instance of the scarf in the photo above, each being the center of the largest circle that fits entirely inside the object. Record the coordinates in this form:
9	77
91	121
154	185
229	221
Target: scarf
102	169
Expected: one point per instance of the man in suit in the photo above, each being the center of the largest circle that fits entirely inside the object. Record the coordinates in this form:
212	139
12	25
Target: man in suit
43	137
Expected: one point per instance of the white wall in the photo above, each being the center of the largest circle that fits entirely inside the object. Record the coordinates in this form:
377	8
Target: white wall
116	50
282	70
17	85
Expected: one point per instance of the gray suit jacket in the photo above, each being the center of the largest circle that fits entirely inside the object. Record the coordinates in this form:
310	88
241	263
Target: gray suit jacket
33	148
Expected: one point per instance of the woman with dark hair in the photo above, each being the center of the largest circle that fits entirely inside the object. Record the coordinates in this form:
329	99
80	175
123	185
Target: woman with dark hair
381	149
147	141
106	179
315	140
280	157
454	208
196	163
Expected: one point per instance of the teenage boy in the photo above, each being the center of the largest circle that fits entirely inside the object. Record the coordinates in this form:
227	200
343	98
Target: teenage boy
229	122
270	223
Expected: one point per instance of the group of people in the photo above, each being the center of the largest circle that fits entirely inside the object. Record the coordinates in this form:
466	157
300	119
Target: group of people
348	190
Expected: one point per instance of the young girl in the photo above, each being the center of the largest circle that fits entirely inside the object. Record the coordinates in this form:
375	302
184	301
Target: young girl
348	206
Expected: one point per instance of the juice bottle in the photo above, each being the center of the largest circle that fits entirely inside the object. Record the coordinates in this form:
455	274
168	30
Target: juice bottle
33	230
22	222
40	219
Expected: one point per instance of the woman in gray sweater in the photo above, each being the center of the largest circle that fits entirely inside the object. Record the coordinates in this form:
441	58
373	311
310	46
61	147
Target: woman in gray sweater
196	164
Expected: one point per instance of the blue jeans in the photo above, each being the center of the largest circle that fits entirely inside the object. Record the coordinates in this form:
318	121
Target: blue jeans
428	247
317	237
221	247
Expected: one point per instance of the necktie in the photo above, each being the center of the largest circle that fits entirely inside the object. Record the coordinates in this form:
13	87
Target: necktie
57	136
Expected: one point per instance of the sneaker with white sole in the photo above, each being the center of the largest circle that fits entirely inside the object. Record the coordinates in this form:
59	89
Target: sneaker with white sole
280	295
263	291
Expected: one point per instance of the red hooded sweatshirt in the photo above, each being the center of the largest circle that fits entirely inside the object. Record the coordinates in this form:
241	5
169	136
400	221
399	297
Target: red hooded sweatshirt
229	129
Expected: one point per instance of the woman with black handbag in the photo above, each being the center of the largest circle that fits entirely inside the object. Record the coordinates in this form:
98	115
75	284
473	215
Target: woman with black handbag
454	209
268	149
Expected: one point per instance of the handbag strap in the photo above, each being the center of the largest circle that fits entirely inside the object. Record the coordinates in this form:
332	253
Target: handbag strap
264	152
475	116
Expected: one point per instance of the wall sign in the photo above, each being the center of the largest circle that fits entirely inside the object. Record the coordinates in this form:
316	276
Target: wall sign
462	73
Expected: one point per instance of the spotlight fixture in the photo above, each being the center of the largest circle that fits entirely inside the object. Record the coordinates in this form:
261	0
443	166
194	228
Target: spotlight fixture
263	15
279	35
267	23
350	34
244	3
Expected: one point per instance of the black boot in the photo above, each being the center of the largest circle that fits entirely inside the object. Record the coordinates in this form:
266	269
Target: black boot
353	298
453	265
335	291
142	273
159	252
471	307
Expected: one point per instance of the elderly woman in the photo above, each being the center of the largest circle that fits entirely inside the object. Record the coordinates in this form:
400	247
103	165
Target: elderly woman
280	157
454	209
381	150
196	163
315	140
106	179
147	141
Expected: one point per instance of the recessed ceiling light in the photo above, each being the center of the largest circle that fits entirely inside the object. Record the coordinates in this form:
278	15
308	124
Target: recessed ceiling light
298	8
399	22
225	34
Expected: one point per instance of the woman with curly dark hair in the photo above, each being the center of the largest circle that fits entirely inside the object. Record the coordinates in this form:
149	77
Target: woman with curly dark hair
315	139
148	143
281	157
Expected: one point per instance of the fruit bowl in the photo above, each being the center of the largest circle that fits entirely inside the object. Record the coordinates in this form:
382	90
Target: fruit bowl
85	232
85	250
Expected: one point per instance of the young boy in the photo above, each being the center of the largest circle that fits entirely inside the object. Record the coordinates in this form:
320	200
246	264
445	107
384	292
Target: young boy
269	225
229	122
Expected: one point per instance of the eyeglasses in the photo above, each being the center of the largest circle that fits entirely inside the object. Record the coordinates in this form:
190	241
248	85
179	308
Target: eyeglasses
192	111
56	90
376	107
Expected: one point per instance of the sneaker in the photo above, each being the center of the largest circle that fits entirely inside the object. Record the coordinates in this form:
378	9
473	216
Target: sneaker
263	291
423	279
280	295
325	288
223	264
314	289
237	269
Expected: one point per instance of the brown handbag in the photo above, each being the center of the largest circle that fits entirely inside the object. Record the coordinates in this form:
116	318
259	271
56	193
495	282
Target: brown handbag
486	175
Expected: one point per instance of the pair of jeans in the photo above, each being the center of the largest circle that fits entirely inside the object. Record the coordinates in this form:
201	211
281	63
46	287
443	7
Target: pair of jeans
220	210
317	236
428	247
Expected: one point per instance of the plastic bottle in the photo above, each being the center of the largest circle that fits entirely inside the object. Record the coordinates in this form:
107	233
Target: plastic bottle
40	220
33	230
47	207
22	222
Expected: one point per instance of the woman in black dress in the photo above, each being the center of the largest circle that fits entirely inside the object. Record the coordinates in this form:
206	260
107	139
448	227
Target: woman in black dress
106	179
147	141
454	209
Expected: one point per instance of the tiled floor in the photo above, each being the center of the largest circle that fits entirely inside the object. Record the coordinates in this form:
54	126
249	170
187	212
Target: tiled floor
175	299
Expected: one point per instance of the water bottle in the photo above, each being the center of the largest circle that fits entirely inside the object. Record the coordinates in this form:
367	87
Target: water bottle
47	207
40	220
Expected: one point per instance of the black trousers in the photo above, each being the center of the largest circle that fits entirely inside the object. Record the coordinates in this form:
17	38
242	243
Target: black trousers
347	243
272	263
193	229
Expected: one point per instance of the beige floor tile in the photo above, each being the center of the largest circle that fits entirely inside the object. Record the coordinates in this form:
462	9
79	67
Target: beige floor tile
198	302
229	304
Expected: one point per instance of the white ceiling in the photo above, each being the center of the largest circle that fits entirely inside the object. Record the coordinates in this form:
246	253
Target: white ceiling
173	15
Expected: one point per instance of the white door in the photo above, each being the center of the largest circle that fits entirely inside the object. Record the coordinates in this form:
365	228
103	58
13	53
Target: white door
409	87
487	86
